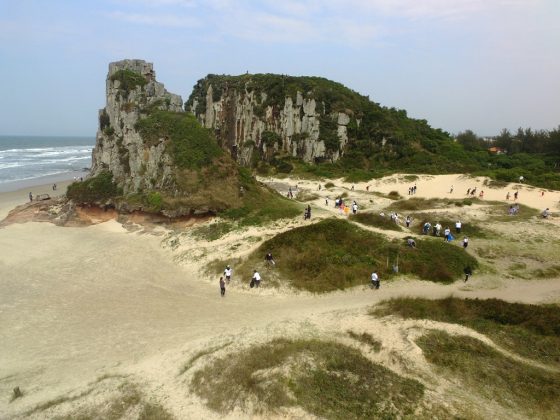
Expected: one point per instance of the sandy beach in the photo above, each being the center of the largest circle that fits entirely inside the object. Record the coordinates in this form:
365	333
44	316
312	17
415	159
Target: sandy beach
80	304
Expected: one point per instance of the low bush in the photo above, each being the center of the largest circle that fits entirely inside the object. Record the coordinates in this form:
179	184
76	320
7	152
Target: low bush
335	254
95	189
492	375
326	379
375	220
529	330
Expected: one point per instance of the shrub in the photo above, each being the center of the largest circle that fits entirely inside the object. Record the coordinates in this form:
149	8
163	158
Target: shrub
335	254
326	379
128	79
94	189
530	330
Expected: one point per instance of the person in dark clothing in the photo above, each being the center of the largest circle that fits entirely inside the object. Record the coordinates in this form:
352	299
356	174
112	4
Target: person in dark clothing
269	259
468	272
222	287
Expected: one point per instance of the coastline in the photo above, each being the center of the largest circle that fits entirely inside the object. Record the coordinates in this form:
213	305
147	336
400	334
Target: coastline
12	198
31	183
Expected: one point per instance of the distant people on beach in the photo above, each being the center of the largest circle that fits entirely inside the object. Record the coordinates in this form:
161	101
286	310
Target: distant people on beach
222	287
408	221
307	213
451	190
546	213
481	195
458	226
513	209
30	196
447	234
507	196
515	195
411	242
465	242
354	207
54	187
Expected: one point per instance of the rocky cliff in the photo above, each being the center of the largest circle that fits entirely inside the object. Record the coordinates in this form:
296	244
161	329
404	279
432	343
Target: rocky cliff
276	118
151	155
258	116
132	93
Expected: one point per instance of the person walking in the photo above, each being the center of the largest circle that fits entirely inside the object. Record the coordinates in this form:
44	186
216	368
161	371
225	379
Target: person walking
468	272
256	278
269	259
374	280
447	234
408	220
355	208
30	196
227	274
458	226
465	242
451	190
222	287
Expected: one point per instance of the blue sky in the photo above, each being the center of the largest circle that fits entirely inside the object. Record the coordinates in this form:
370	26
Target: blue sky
478	64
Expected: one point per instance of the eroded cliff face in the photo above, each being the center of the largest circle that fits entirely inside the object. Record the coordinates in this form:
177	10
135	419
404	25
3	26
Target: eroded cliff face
253	125
132	92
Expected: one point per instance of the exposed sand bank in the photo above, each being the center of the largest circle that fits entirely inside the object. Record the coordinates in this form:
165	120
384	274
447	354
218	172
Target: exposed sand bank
79	303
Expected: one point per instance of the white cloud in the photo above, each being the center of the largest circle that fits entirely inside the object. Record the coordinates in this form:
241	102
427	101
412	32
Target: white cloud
156	20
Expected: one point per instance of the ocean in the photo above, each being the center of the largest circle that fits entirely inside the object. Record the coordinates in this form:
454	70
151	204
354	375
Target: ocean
26	158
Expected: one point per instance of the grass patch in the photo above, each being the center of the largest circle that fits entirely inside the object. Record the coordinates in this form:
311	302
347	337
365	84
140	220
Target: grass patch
529	330
375	220
306	196
212	231
326	379
200	354
415	204
329	185
335	254
470	229
499	213
496	377
260	204
365	338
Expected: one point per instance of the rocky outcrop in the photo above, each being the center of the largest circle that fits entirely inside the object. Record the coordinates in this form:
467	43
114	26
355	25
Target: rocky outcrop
255	122
132	92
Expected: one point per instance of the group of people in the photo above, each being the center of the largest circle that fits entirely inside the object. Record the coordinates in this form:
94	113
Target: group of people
472	192
412	190
255	279
343	207
515	195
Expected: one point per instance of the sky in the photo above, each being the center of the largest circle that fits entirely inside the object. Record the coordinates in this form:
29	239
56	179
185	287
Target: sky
460	64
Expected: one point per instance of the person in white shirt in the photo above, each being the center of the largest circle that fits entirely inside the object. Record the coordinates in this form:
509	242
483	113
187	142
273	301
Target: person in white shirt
458	226
465	242
375	280
447	234
227	273
257	278
354	207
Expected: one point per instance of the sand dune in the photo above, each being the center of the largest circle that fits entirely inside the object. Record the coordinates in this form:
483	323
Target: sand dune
79	303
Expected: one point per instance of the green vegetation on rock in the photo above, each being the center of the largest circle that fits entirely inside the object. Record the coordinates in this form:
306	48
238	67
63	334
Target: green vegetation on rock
529	330
128	79
324	378
94	189
191	145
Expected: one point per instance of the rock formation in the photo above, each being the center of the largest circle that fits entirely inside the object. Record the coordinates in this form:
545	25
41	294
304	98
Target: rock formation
132	92
258	116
